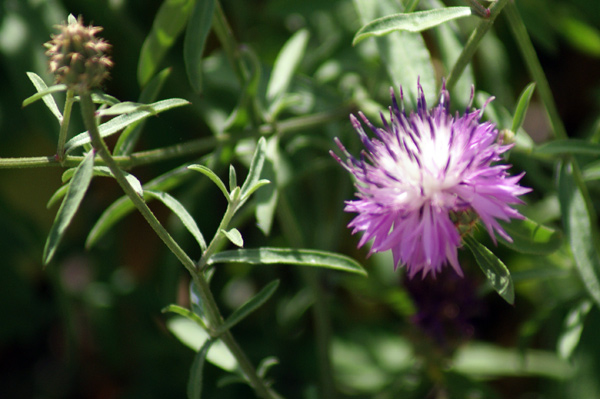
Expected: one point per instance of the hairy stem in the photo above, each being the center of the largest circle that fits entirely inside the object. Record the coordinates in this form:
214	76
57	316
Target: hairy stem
192	147
64	126
212	312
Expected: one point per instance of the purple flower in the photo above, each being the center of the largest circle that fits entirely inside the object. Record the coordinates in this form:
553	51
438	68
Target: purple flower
421	175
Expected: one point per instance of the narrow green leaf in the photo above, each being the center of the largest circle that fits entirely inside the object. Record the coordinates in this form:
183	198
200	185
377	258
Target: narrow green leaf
234	236
122	121
182	213
286	63
194	387
46	95
123	206
522	106
572	329
232	178
412	22
194	336
125	107
570	146
578	214
77	189
58	194
266	199
288	256
249	306
196	33
530	237
188	314
255	170
169	22
129	138
41	86
106	172
493	268
212	176
404	54
265	365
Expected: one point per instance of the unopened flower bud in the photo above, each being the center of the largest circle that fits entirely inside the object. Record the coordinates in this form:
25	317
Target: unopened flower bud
77	57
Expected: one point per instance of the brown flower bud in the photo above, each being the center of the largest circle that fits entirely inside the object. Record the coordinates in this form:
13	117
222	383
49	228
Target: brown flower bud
77	57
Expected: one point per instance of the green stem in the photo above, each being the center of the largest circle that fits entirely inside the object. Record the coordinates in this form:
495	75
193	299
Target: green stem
212	312
218	237
230	46
466	55
64	126
535	69
192	147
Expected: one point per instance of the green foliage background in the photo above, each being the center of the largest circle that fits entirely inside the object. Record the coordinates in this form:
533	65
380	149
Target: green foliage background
89	324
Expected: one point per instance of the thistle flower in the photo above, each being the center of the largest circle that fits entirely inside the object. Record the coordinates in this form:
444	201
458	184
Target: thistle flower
77	57
424	179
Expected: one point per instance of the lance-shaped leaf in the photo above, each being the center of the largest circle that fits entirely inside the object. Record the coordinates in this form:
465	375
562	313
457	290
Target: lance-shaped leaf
253	182
106	172
234	236
129	138
169	22
286	64
179	210
41	87
197	30
194	336
522	106
249	306
194	387
77	189
570	146
493	268
123	206
266	199
572	329
530	237
289	256
212	176
577	213
122	121
412	22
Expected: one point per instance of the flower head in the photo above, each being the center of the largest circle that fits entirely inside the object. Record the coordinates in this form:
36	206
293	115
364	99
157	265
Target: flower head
77	57
422	176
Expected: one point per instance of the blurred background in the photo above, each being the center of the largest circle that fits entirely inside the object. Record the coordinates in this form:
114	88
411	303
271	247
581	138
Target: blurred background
89	324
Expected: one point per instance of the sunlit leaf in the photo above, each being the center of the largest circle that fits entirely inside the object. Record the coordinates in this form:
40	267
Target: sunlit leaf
266	199
234	236
572	329
286	64
255	170
169	22
197	30
182	214
522	106
123	206
530	237
249	306
129	138
404	54
288	256
122	121
493	268
194	336
77	189
44	92
212	176
412	22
